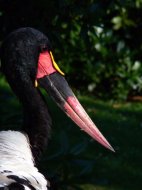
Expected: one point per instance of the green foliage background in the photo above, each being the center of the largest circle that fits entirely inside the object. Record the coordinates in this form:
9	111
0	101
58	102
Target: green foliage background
96	42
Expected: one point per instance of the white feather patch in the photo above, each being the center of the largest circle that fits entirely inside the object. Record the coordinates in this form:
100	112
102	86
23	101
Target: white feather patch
16	159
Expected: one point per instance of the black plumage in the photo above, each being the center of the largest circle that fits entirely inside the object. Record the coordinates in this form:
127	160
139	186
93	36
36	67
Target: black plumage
19	58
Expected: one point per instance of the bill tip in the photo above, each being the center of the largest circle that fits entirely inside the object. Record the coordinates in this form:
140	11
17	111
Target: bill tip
111	148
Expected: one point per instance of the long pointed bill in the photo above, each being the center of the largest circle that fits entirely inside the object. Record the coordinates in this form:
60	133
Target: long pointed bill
59	90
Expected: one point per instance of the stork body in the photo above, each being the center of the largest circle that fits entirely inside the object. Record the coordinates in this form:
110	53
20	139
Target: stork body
27	60
17	167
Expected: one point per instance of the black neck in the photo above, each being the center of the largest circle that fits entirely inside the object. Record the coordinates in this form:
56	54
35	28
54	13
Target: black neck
37	122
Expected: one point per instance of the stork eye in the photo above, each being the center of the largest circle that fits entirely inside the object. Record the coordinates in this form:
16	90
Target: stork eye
43	48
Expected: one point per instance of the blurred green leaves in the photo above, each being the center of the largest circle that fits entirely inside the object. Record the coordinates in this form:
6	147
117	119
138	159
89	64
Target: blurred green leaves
73	160
95	42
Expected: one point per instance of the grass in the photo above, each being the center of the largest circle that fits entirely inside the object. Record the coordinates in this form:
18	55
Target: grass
73	160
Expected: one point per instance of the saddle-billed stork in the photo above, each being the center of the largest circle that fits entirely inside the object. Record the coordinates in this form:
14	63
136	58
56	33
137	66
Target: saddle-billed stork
27	63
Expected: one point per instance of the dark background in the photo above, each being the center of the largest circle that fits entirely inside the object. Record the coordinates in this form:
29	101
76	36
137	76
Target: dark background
98	45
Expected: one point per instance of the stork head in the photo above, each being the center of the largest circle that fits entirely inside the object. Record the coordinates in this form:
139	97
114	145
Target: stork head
28	54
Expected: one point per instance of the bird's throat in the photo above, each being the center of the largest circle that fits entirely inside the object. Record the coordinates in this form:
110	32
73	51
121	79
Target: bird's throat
37	123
